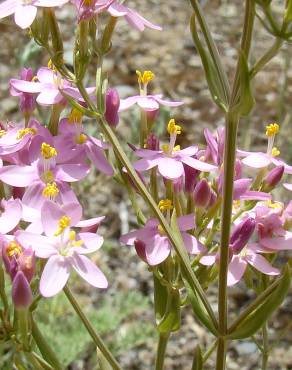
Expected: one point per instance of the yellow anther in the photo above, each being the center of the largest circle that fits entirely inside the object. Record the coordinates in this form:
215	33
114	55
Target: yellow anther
273	205
74	242
81	139
165	205
77	243
161	230
47	177
34	79
48	151
75	116
72	235
21	133
272	129
275	152
173	128
145	77
63	223
165	148
13	249
51	190
2	133
87	2
51	66
176	148
236	205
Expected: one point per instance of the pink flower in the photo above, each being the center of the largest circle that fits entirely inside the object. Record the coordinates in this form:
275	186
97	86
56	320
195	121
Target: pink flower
157	245
25	11
10	215
148	102
65	249
27	100
87	9
133	18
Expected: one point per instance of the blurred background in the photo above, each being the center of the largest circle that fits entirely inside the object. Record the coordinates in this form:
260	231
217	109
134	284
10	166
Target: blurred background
124	314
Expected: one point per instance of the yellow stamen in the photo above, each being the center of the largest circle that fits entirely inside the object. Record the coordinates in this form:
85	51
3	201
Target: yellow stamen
48	151
75	116
81	139
272	129
13	249
173	128
63	223
87	2
34	79
275	152
2	133
165	205
48	177
51	66
145	77
72	237
21	133
273	205
165	148
51	190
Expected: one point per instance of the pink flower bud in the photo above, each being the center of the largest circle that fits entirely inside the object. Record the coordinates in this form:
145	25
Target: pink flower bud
202	193
112	103
191	175
178	185
241	234
152	142
213	198
21	292
140	249
151	116
274	176
26	263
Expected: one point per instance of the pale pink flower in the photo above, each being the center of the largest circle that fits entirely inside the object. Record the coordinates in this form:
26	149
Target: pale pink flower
25	10
148	102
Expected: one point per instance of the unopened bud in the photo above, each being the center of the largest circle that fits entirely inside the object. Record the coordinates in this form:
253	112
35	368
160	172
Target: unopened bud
178	185
202	193
112	104
191	176
241	234
21	292
152	142
274	176
26	263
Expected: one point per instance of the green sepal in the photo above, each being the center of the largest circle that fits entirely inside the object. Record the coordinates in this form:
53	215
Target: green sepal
246	100
198	359
256	319
288	12
171	319
213	81
200	312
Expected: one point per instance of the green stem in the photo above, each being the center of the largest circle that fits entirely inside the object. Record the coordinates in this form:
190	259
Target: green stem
43	346
2	287
143	127
23	317
57	42
43	364
180	250
54	119
210	350
161	349
265	353
91	331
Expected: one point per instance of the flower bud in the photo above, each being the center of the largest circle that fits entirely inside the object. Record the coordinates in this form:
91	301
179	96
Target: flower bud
26	263
21	292
191	175
151	116
274	176
178	185
112	104
202	193
241	234
140	249
213	198
152	142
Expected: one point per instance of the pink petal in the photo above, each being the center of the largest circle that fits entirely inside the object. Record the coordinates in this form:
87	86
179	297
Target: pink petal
170	168
257	160
240	187
49	96
55	276
236	270
139	22
97	157
158	250
198	165
19	176
26	86
128	102
149	104
117	10
261	264
7	8
192	245
288	186
90	222
186	222
72	172
33	196
189	151
92	242
42	246
147	153
255	195
89	271
46	76
279	243
208	260
25	15
50	215
167	102
11	216
50	3
144	233
146	164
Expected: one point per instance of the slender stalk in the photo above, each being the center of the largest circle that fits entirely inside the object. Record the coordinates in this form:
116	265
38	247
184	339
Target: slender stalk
210	350
161	350
91	331
232	120
265	353
54	119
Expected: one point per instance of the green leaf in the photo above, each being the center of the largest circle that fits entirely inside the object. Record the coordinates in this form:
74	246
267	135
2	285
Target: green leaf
246	99
288	12
199	311
171	319
256	319
198	359
212	78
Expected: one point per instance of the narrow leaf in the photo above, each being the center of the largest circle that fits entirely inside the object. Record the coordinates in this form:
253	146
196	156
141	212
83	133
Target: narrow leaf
198	359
